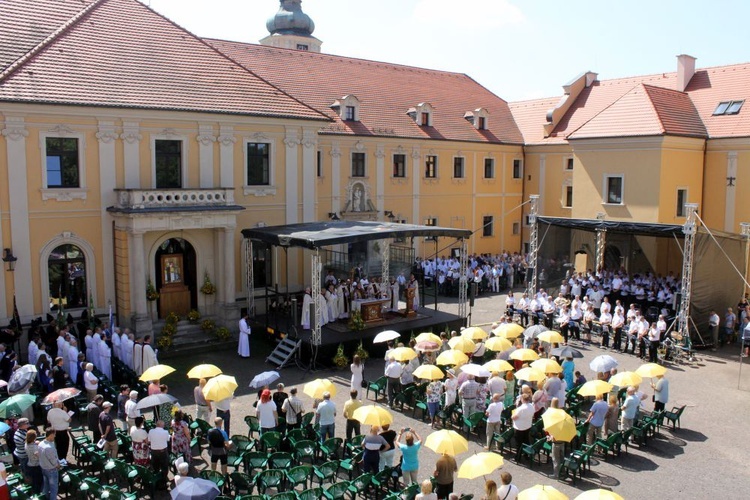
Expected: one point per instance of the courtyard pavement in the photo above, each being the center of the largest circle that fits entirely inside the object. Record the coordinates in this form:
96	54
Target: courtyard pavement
706	458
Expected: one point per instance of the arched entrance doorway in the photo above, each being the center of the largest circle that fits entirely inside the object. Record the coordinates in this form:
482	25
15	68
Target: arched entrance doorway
176	281
612	258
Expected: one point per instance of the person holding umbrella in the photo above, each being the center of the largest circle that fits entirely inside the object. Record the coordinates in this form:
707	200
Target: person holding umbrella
445	469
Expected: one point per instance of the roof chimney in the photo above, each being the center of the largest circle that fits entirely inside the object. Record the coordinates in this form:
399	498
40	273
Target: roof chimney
685	71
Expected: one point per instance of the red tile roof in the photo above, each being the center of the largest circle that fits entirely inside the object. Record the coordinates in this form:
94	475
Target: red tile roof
675	113
26	23
710	86
122	54
645	111
385	91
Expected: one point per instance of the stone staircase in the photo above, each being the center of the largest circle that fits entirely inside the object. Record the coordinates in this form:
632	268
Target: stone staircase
190	338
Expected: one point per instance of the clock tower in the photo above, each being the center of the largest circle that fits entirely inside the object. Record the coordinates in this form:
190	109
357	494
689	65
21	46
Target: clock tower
291	28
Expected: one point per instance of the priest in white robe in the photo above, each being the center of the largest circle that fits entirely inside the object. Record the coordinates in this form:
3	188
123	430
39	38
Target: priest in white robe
243	348
116	344
394	290
71	360
307	301
95	351
127	348
332	303
148	355
105	357
138	357
323	305
33	352
88	342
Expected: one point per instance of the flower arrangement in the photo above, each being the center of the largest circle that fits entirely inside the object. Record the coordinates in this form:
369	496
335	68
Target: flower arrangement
208	288
222	333
151	293
356	323
193	316
362	352
169	329
165	342
340	360
208	325
172	318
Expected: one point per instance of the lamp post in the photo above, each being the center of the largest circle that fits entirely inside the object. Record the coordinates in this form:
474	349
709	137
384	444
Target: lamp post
9	259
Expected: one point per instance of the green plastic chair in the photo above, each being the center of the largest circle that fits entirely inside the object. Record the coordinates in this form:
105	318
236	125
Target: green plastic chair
329	449
254	460
326	472
241	483
378	387
271	478
310	494
360	485
280	460
304	450
253	425
216	477
270	441
300	475
337	491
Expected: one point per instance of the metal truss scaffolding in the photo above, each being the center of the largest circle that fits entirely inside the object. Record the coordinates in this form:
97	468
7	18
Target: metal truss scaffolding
316	270
386	269
249	277
533	246
689	229
462	281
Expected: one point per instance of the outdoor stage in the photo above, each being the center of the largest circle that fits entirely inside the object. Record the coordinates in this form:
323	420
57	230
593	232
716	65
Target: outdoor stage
333	334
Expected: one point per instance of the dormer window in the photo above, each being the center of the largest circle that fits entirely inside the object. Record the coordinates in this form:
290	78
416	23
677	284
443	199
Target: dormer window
728	108
422	114
478	118
347	108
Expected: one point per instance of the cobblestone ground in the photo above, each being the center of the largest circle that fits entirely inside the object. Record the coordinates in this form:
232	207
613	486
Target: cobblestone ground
707	457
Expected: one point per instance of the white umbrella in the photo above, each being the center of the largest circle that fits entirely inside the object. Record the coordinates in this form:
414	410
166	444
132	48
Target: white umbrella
603	363
476	370
155	400
264	378
386	336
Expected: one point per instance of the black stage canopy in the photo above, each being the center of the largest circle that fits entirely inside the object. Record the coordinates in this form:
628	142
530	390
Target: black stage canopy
634	228
315	235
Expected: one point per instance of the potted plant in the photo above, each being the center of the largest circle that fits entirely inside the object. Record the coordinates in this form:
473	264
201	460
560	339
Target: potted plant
222	333
208	288
172	318
208	325
362	352
151	293
340	360
356	323
193	316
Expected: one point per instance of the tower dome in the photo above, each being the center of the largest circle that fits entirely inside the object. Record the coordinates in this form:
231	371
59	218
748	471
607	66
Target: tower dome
291	28
290	20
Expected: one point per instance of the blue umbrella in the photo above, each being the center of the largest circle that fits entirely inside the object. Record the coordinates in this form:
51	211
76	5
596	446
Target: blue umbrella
4	427
264	379
195	489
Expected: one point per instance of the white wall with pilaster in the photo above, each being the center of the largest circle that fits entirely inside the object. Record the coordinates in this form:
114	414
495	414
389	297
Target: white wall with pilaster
131	136
206	140
226	156
107	138
18	197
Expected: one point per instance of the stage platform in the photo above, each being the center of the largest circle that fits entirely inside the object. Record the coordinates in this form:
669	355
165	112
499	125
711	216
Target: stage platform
332	335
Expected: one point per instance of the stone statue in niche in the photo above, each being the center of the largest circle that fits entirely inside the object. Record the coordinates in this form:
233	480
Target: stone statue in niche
357	202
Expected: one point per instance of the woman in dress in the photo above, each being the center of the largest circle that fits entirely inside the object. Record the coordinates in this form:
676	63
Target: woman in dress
180	436
433	392
357	368
510	389
450	387
483	392
165	410
139	440
569	369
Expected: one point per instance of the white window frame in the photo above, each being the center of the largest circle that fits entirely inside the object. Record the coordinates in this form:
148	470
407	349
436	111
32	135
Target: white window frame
424	107
605	189
345	102
271	188
184	159
64	194
492	227
568	160
687	194
406	165
484	167
437	166
463	167
564	202
520	169
351	165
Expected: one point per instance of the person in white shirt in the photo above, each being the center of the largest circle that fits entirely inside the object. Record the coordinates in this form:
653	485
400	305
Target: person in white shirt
183	471
654	337
59	419
713	324
158	437
494	415
605	321
90	382
131	408
508	490
617	323
267	413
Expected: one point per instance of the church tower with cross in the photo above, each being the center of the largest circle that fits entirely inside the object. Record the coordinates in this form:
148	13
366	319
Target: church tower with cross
290	28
